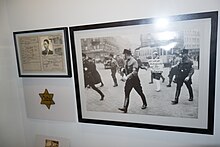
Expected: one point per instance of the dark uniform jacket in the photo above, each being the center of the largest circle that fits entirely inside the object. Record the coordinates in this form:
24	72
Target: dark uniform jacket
131	67
185	68
114	64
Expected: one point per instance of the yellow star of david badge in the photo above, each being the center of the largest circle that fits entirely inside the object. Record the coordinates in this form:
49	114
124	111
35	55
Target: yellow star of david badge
47	98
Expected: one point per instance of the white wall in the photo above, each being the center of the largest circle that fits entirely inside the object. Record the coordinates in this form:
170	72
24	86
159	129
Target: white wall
11	121
35	14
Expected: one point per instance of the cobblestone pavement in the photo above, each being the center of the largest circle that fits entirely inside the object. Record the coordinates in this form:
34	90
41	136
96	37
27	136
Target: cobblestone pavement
159	103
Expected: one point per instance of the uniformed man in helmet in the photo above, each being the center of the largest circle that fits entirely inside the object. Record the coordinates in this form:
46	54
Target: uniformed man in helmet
184	74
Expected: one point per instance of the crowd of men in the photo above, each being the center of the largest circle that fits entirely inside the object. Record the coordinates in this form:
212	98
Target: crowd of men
181	71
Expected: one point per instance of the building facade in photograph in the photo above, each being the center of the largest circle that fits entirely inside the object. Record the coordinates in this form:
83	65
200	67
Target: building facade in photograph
167	44
99	48
192	42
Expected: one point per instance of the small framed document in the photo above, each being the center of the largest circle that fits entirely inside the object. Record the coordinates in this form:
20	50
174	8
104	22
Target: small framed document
43	53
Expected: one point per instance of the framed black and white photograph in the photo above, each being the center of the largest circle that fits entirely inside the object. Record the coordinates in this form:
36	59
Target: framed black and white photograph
43	53
153	73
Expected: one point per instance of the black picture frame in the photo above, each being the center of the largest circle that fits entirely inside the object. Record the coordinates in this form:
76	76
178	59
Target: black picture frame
33	60
91	40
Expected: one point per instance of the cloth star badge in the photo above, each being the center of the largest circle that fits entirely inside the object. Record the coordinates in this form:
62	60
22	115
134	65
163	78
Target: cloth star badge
47	98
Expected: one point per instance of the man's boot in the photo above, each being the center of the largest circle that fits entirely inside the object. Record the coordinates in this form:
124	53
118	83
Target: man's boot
169	84
144	106
115	82
99	91
175	101
191	99
102	96
190	93
125	108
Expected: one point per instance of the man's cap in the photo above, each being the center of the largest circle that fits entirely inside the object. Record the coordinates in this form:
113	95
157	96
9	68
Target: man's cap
127	51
